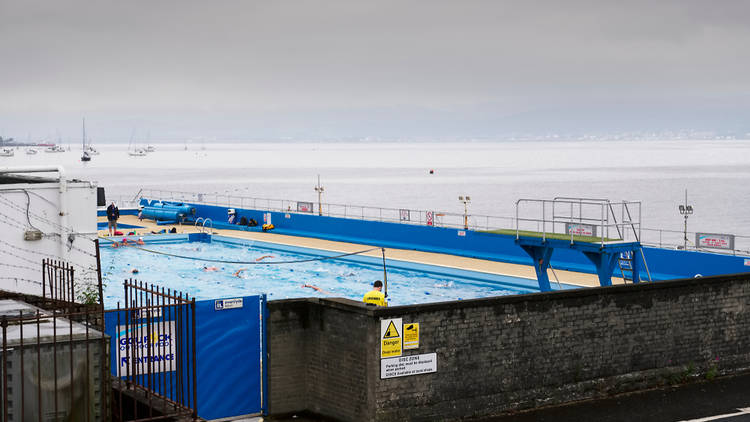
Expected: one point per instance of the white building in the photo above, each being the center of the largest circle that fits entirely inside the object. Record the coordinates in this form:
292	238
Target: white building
45	215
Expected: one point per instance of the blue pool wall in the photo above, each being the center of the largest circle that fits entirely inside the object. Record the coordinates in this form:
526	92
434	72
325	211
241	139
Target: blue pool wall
663	263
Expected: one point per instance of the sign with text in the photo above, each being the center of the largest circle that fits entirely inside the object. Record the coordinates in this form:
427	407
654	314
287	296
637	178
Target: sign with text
224	304
714	240
304	207
580	229
390	337
146	347
408	365
411	336
430	218
404	215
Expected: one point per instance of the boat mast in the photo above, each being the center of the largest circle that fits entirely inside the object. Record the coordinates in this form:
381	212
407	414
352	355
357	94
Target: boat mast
84	134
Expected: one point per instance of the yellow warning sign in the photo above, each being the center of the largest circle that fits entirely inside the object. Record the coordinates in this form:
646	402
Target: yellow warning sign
411	336
391	331
390	338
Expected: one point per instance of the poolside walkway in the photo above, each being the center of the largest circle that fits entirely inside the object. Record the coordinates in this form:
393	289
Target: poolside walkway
430	258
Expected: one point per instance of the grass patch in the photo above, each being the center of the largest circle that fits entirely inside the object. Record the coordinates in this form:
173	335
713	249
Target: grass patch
558	236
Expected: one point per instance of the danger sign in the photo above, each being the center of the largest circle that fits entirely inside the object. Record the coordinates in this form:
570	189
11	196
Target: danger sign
390	337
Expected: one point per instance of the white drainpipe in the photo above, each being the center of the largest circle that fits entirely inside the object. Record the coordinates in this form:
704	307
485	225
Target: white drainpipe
63	213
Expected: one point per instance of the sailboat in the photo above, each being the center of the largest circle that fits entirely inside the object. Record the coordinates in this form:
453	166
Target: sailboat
135	151
85	156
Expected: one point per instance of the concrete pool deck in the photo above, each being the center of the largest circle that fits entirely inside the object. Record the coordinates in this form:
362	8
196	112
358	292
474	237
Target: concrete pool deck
429	258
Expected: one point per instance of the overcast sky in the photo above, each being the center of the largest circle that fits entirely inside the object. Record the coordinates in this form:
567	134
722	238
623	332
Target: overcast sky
321	69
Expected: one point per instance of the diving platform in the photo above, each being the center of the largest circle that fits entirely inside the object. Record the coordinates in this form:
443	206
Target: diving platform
588	225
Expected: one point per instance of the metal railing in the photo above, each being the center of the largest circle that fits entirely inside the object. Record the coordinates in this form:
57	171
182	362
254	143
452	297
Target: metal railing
579	218
52	365
663	238
160	373
359	212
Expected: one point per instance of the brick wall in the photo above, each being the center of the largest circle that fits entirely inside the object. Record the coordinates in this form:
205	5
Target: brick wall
506	353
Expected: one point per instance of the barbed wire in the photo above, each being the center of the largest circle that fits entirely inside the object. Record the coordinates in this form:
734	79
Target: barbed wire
17	279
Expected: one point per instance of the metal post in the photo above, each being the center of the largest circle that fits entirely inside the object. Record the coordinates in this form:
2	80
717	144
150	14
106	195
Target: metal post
319	189
385	275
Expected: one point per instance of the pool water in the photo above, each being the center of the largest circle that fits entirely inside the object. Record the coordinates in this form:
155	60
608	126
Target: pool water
349	277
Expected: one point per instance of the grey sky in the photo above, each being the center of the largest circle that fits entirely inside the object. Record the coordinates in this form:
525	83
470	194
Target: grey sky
246	69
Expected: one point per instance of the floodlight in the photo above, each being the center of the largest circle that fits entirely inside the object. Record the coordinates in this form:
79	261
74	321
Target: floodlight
468	199
460	198
682	209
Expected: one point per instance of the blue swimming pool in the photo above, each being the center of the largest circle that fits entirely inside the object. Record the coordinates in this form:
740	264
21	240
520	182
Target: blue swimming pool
174	262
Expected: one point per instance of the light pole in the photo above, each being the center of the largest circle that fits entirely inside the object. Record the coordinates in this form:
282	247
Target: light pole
686	210
319	189
466	201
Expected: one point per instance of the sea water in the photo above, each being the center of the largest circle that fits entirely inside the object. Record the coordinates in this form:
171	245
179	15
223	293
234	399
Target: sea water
716	174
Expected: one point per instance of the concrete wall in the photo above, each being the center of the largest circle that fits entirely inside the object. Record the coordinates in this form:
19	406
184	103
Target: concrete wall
506	353
66	237
664	264
318	358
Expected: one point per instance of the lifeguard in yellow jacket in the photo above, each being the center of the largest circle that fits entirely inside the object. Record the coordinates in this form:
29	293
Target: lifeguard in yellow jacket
375	296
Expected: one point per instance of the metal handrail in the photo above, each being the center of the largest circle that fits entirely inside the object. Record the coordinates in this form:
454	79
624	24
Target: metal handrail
648	236
604	223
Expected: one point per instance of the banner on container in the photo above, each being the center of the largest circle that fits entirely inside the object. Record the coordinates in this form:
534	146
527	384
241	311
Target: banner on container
430	218
408	365
714	240
304	207
146	345
580	229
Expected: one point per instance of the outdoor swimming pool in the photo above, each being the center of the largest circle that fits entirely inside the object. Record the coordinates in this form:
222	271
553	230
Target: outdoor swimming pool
162	261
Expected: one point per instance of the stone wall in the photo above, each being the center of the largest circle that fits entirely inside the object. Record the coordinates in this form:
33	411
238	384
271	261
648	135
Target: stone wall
508	353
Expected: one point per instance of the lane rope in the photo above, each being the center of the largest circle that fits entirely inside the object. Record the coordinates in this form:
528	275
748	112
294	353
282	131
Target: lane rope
221	261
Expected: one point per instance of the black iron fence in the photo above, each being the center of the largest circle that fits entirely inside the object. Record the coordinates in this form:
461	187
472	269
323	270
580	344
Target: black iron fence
155	358
58	280
63	360
53	367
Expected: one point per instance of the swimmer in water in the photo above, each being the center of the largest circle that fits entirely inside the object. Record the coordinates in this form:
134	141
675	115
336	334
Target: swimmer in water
264	257
238	272
134	271
207	269
316	288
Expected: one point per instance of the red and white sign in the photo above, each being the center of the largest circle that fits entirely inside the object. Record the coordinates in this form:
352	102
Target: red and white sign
304	207
430	218
714	240
578	229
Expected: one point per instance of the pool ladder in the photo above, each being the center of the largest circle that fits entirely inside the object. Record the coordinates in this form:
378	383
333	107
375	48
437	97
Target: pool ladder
203	223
